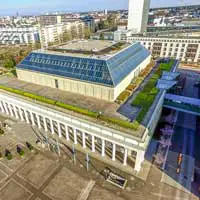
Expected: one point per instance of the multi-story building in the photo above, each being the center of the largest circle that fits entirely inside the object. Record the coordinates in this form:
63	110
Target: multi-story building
58	33
46	20
138	15
19	35
186	49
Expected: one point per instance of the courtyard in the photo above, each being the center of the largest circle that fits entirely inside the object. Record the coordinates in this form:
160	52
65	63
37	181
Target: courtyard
44	175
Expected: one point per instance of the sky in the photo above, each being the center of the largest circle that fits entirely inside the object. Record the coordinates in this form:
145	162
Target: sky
10	7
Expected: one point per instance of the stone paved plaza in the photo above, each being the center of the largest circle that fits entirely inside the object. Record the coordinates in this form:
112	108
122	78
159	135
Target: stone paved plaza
43	175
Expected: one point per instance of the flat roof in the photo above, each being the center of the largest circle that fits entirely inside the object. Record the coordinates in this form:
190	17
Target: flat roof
110	109
87	45
98	49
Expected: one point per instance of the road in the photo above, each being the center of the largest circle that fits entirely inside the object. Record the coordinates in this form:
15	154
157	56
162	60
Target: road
184	139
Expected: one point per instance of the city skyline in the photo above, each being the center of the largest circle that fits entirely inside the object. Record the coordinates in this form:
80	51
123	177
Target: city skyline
10	7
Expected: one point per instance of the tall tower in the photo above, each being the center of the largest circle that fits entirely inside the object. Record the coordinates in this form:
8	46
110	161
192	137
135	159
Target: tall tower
138	15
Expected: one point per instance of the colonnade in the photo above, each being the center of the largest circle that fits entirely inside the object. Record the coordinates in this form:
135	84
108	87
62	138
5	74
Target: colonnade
71	133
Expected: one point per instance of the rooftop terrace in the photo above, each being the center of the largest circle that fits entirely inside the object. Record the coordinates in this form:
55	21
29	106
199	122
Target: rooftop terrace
101	49
88	108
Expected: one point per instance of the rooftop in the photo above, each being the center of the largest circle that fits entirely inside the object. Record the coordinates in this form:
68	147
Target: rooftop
88	108
109	71
98	49
87	45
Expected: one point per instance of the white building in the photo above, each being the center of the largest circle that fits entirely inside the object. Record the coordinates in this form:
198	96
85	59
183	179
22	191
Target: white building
23	35
186	49
138	15
54	33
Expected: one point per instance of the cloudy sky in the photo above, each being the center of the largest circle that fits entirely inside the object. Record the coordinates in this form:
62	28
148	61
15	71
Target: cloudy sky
10	7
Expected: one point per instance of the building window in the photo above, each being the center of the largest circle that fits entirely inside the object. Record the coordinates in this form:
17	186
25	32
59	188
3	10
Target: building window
56	84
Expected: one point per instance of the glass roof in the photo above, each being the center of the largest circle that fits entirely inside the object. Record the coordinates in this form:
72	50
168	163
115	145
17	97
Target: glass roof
107	72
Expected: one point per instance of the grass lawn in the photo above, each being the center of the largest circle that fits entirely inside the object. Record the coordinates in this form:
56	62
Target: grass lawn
146	97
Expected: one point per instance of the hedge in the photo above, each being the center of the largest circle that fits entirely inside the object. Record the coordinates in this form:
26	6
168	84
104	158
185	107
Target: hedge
76	109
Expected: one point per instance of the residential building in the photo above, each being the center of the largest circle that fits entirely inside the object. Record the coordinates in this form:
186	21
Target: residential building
58	33
18	35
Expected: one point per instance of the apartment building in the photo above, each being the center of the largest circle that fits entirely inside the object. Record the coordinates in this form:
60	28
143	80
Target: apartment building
46	20
18	35
58	33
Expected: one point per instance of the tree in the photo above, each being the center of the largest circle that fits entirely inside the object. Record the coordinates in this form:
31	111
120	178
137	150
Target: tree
74	33
9	64
101	37
87	33
66	36
37	45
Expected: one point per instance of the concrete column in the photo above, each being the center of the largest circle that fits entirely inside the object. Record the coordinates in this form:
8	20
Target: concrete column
102	147
10	109
45	124
59	130
52	128
6	109
125	156
20	114
38	121
32	119
139	160
2	108
113	151
16	113
75	136
26	116
67	133
93	143
83	139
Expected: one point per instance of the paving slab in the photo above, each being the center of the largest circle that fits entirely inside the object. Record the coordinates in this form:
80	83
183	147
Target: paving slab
3	176
99	193
14	191
65	185
37	170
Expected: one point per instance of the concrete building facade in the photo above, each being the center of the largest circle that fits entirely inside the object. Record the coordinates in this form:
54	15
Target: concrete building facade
185	49
138	12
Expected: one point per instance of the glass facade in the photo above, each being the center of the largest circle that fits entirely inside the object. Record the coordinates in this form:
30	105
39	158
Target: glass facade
106	72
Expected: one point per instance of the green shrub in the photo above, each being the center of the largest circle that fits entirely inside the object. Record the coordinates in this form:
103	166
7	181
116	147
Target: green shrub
123	96
30	147
77	109
1	131
9	156
21	152
120	122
